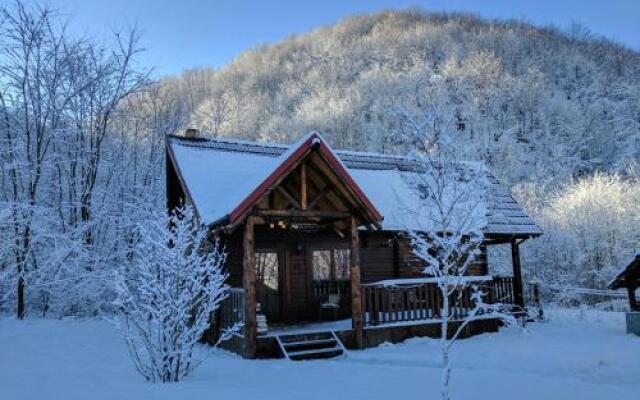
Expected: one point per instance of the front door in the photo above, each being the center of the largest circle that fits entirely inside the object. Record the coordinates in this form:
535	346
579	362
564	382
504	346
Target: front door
269	283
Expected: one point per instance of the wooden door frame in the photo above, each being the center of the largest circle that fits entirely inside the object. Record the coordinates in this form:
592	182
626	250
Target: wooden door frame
283	278
327	245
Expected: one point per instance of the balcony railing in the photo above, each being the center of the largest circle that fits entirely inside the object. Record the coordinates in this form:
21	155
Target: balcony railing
400	302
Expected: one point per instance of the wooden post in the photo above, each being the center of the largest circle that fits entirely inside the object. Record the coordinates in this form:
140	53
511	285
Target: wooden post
517	275
303	186
21	307
249	284
356	296
536	294
633	304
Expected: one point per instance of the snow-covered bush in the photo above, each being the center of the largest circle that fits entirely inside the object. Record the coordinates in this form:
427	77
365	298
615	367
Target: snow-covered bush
166	297
591	226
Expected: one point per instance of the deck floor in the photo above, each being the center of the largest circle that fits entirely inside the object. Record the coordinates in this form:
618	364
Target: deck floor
345	325
310	327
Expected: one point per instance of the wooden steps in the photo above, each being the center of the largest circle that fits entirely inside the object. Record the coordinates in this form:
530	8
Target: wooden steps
310	346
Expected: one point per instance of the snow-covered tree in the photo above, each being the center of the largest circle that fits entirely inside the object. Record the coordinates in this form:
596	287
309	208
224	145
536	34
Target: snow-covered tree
167	295
591	227
446	230
58	96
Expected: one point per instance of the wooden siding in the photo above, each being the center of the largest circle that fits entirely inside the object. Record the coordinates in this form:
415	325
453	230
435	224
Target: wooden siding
382	256
411	266
378	260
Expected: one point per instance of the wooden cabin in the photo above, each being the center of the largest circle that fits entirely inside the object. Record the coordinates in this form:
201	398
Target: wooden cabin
313	235
629	278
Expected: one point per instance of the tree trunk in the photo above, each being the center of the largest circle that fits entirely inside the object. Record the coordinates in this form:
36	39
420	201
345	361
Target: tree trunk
21	306
444	344
446	374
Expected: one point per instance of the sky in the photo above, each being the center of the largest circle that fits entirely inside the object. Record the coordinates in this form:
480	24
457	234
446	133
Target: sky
179	35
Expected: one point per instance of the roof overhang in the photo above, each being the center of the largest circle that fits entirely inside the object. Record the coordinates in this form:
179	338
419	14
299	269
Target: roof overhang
629	276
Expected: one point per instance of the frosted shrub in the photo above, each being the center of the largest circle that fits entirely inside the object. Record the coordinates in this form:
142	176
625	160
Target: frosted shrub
591	226
167	297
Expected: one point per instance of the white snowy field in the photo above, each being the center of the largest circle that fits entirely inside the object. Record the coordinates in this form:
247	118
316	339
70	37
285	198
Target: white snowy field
573	356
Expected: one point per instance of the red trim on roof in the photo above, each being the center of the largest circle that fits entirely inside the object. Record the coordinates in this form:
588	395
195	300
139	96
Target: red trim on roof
342	172
286	165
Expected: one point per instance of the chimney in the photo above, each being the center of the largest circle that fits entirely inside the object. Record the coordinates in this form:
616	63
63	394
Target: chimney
191	133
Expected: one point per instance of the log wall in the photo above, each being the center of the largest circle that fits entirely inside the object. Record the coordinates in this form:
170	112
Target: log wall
382	256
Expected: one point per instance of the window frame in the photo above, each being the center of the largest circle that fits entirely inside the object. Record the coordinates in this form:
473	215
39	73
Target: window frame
333	276
279	278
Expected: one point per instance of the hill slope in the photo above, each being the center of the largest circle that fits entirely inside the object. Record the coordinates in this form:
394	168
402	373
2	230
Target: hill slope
532	102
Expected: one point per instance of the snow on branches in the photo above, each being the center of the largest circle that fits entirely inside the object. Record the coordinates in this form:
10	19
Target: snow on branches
168	294
446	231
452	215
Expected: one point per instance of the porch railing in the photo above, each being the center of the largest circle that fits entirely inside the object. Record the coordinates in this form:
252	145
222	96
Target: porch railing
322	289
231	310
404	303
501	290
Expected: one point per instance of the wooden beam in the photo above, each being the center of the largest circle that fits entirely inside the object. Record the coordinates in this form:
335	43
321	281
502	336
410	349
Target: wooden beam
303	214
325	186
275	184
344	189
272	200
288	196
319	197
517	274
332	181
303	186
633	304
249	284
356	296
492	239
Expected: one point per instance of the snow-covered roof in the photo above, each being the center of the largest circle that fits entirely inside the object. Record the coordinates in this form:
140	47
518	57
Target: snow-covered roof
623	276
221	173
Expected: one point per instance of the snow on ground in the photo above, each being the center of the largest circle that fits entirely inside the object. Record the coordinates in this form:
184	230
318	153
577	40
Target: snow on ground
576	355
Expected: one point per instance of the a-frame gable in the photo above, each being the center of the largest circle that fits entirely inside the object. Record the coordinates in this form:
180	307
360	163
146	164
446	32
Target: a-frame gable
309	180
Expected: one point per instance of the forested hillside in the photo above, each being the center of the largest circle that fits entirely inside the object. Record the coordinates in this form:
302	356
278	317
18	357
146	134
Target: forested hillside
555	114
82	131
534	103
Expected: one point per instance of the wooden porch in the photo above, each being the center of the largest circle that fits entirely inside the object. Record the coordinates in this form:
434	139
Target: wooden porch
389	313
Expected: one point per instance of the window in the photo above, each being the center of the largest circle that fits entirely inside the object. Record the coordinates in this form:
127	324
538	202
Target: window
342	261
321	265
267	269
331	264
